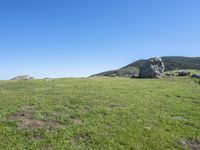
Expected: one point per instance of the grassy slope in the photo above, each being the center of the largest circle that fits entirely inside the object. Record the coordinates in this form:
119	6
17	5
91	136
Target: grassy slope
114	113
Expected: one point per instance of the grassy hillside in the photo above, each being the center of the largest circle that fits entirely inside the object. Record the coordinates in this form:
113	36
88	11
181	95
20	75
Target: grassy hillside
99	113
123	72
170	62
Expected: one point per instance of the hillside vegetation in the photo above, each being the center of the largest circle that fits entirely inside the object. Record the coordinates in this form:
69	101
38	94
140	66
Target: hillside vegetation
100	113
170	62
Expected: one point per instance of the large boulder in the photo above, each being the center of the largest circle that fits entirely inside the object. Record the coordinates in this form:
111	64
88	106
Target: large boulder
196	76
23	77
152	68
183	73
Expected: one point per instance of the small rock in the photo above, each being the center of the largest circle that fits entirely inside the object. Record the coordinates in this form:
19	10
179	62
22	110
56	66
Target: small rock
183	73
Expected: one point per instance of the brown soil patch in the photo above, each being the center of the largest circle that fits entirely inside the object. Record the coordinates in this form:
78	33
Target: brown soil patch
193	145
25	116
26	112
31	123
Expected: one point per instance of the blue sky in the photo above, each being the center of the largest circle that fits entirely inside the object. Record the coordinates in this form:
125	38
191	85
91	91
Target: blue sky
72	38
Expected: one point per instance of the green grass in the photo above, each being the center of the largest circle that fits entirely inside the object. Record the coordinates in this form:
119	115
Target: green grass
112	113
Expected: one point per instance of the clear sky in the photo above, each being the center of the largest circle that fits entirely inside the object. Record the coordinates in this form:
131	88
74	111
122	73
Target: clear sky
71	38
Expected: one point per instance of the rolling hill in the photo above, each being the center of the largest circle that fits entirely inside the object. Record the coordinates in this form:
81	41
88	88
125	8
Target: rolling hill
170	62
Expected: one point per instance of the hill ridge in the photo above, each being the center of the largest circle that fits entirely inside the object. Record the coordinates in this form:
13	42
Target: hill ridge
170	62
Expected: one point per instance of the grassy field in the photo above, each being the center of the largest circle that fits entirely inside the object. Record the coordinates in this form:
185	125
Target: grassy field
100	113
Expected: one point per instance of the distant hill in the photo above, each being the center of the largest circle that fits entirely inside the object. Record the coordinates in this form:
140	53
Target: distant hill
122	72
170	62
175	62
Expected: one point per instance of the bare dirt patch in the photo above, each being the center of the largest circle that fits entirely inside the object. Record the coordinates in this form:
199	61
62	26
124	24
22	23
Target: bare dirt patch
26	112
31	123
27	121
192	144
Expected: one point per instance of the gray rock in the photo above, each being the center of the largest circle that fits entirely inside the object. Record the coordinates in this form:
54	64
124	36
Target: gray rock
135	75
152	68
23	77
195	76
183	73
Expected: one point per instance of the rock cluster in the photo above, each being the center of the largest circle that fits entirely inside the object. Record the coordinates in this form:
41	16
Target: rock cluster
23	77
152	68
